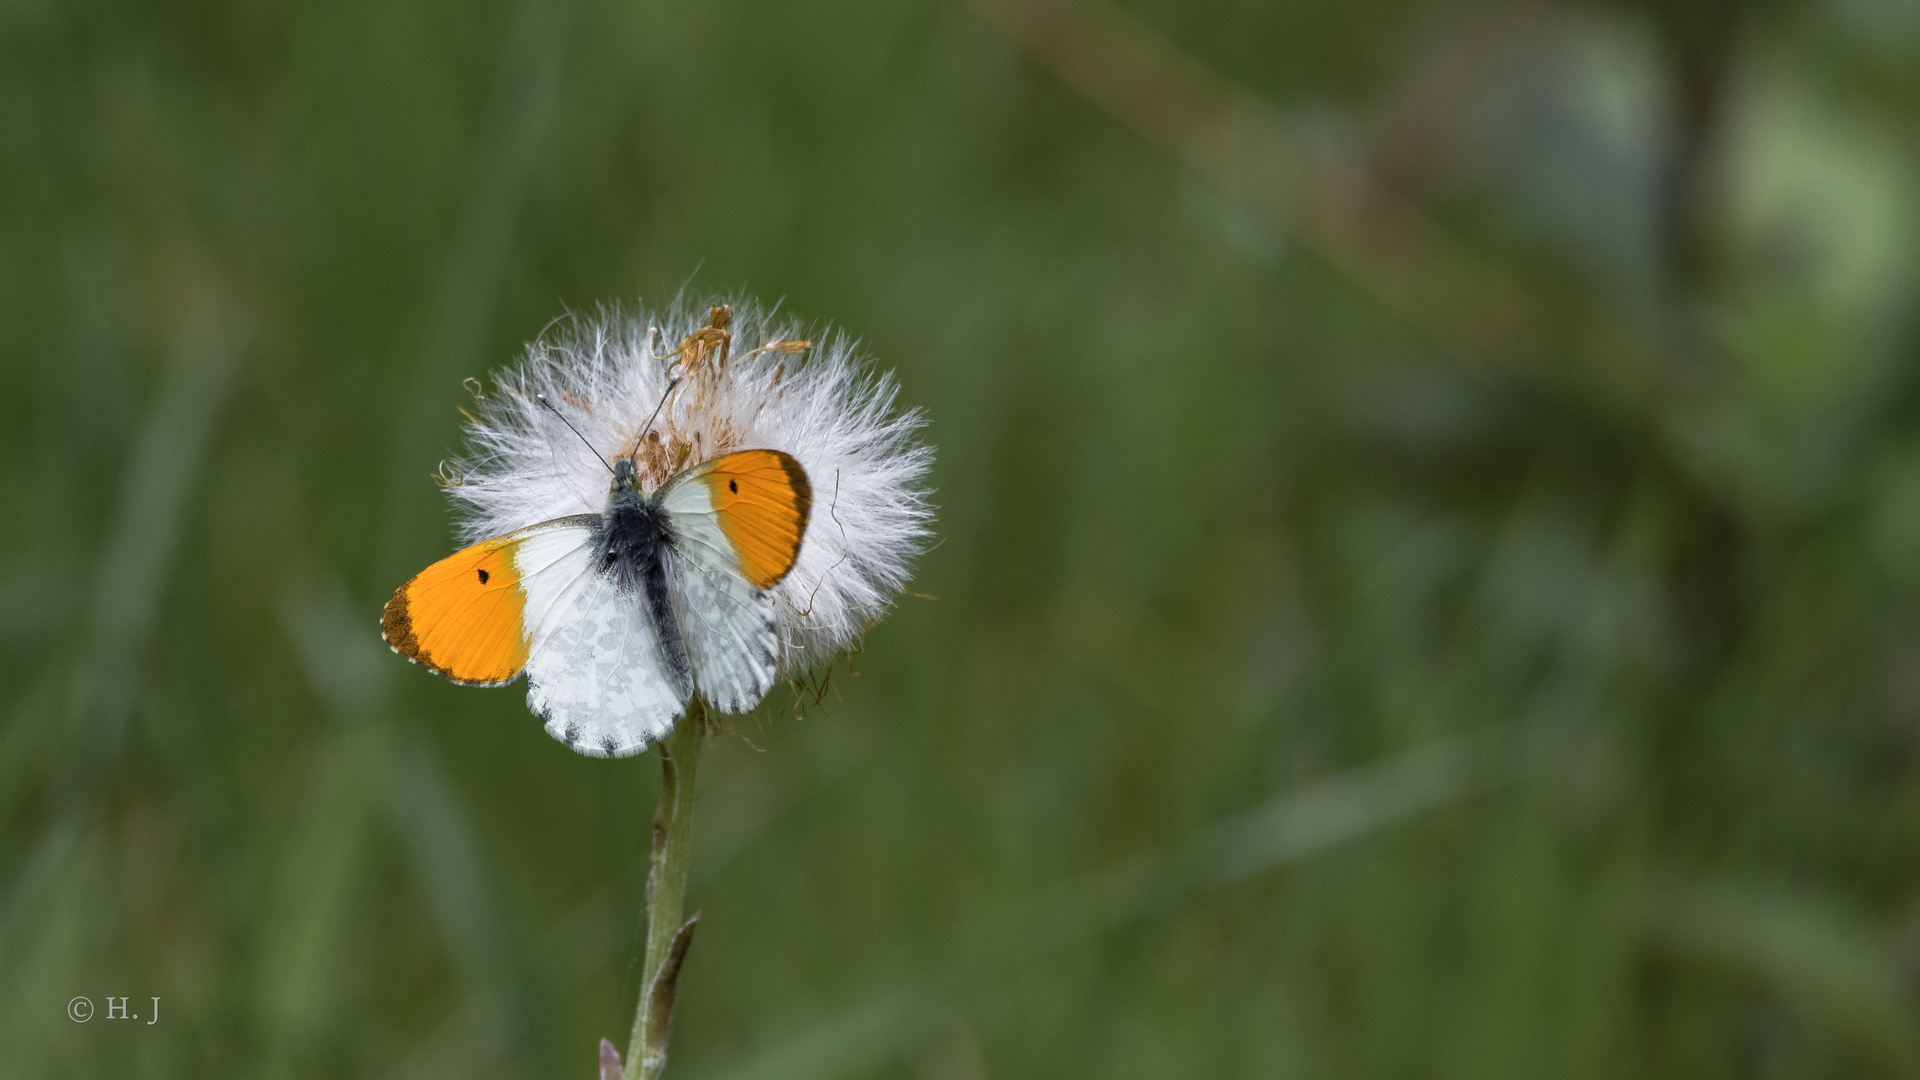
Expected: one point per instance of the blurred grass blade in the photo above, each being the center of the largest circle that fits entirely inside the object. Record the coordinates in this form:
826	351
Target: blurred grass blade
849	1043
524	89
322	856
151	493
444	854
1829	967
1300	180
1344	808
317	876
1297	825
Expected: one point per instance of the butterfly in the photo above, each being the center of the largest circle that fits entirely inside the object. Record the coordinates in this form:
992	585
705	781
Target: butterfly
619	618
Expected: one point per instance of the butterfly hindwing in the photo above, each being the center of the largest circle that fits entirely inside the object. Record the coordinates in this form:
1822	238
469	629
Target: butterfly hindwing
595	670
725	624
737	526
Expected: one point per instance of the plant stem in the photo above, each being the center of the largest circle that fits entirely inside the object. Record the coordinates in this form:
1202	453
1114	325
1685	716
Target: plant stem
667	936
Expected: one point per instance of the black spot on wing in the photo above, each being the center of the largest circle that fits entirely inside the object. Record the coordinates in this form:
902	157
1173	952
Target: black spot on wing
610	744
572	735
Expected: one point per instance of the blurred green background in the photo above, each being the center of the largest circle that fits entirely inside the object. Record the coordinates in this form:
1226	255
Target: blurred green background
1429	564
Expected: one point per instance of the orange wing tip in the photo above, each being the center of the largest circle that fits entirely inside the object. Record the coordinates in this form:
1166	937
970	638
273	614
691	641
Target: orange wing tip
420	661
433	621
764	517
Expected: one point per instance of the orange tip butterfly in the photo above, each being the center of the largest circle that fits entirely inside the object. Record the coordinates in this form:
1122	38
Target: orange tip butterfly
619	618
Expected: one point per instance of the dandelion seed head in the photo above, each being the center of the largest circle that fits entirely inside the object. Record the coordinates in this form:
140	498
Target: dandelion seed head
746	380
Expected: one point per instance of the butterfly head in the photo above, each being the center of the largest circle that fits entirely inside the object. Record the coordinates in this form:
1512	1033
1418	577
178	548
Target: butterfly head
625	477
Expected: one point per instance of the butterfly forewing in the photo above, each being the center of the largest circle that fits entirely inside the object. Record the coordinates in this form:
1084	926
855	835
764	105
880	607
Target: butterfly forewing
759	499
738	522
462	617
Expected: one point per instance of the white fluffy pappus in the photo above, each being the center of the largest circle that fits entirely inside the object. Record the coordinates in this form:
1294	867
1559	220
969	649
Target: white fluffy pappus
747	382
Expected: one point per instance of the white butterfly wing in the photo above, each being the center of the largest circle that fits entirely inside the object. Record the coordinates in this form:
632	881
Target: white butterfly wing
726	623
595	673
737	523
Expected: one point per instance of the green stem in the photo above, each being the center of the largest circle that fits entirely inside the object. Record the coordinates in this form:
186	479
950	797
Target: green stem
667	936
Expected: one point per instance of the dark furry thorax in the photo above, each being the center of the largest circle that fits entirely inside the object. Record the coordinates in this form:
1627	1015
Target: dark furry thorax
632	535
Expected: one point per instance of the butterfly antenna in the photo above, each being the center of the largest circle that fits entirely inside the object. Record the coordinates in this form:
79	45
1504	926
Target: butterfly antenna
671	383
542	399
